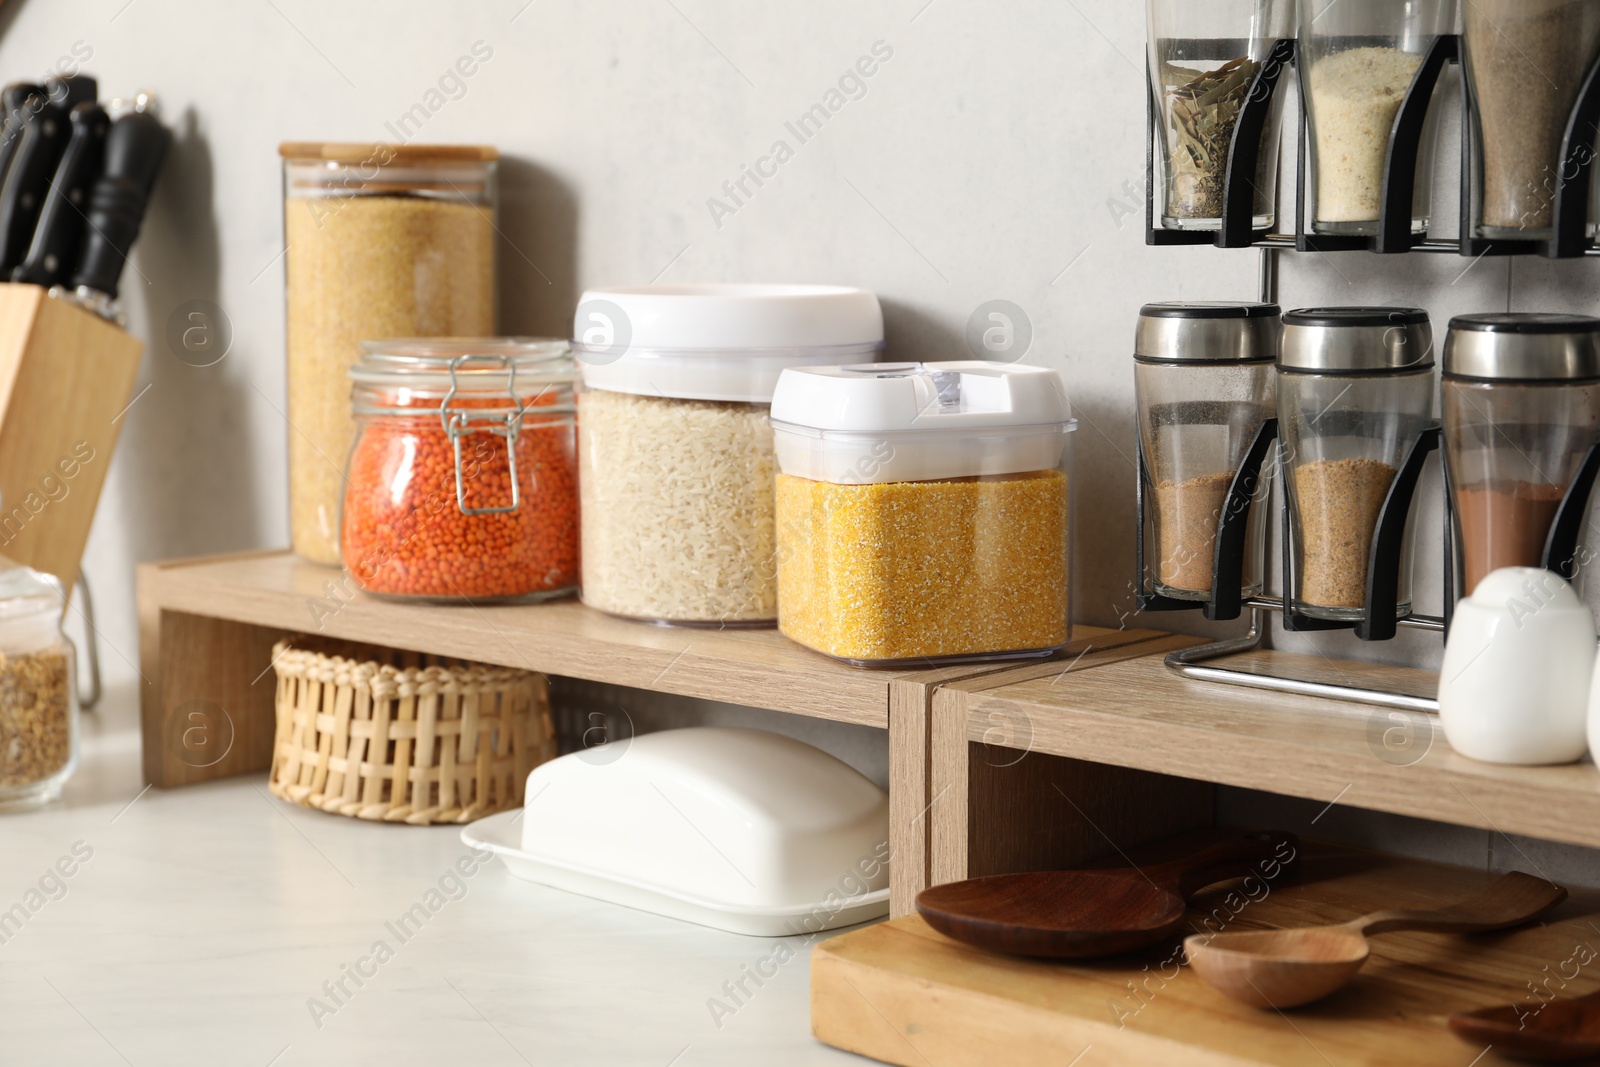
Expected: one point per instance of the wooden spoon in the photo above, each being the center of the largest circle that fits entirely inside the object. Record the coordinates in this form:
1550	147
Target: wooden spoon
1555	1030
1089	913
1285	968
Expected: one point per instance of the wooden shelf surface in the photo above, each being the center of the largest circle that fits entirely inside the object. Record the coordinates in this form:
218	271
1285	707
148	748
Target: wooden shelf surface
902	993
754	667
1137	713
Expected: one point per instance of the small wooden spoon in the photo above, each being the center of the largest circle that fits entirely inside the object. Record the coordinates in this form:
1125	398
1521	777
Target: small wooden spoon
1286	968
1089	913
1555	1030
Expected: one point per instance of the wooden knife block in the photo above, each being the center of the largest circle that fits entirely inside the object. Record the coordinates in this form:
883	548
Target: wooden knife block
66	378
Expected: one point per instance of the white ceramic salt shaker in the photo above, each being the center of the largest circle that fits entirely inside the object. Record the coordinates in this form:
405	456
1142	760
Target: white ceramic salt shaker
1514	685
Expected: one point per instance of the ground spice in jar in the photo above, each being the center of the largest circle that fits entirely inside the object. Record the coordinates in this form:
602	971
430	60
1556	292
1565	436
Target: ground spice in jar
1528	60
1338	502
404	533
1187	514
1505	525
361	268
1354	96
677	508
35	717
902	570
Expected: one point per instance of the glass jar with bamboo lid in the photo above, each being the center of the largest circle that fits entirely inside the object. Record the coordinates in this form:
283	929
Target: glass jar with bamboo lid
380	241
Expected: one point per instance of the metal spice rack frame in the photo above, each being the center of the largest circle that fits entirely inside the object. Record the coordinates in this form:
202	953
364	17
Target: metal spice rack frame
1569	201
1570	239
1381	619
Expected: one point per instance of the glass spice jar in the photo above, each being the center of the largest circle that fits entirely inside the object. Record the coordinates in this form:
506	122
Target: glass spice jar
1521	407
1358	59
1203	375
38	701
380	241
1355	388
1526	62
462	481
1204	57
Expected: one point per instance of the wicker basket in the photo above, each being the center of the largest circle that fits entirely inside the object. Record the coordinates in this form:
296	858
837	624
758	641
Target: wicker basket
418	739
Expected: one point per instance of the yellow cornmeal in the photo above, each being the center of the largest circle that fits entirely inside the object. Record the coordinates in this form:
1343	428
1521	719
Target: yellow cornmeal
903	570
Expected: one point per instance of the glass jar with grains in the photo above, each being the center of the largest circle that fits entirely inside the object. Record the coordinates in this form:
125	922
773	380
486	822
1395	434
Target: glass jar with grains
38	704
1204	57
1358	58
1355	388
380	241
1526	63
923	511
1203	376
675	449
462	483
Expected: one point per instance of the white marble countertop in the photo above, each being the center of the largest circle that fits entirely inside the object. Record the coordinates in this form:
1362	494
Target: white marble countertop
215	925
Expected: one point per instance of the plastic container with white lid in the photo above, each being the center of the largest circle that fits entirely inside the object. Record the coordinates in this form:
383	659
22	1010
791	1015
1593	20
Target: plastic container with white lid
675	452
38	702
923	511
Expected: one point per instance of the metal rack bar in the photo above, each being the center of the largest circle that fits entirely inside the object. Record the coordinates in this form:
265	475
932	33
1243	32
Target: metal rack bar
1192	663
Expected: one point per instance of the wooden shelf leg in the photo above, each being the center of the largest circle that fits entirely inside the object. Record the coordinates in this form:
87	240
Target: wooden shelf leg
909	815
206	704
1000	810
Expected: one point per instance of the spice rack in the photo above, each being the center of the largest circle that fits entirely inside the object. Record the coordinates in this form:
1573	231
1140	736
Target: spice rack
1569	200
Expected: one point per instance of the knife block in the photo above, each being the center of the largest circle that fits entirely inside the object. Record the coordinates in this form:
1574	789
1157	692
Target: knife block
66	378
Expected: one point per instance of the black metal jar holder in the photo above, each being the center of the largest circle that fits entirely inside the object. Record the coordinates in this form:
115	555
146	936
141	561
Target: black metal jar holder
1381	619
1570	201
1226	601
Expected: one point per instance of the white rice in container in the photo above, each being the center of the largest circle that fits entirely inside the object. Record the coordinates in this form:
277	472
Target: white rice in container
677	504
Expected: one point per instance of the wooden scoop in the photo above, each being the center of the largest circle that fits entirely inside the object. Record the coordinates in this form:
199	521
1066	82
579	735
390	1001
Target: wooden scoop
1089	913
1285	968
1555	1030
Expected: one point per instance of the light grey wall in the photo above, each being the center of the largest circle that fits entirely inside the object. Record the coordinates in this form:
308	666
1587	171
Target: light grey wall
997	154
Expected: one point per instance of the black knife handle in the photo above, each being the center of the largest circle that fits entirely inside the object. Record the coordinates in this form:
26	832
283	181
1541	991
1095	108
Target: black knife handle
67	91
135	148
18	101
59	234
27	180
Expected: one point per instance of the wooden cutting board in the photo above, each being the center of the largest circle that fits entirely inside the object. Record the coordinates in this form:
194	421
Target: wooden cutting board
902	993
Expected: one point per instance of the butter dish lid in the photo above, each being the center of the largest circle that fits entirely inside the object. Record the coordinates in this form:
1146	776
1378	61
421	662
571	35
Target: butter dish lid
888	422
738	829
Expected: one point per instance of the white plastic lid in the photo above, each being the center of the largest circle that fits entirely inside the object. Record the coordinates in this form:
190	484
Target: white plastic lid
31	606
719	342
899	422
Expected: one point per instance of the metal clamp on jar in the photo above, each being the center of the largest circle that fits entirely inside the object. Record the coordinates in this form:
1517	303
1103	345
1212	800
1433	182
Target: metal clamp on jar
1521	407
1355	397
1203	373
462	481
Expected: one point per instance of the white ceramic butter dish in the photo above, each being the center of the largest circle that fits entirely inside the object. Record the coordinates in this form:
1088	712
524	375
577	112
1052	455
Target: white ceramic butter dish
741	830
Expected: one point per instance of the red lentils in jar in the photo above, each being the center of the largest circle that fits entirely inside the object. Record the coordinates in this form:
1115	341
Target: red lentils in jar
462	482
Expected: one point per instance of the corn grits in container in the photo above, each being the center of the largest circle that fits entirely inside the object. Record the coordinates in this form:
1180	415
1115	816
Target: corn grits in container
923	511
675	451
